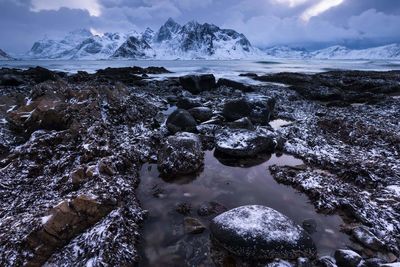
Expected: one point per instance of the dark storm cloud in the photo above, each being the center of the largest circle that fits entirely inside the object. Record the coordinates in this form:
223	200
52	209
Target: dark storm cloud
309	23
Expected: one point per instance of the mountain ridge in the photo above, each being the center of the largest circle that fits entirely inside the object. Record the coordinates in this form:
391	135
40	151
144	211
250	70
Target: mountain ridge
192	40
172	41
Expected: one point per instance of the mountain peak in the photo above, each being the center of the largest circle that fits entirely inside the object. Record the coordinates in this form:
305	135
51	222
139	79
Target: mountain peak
171	22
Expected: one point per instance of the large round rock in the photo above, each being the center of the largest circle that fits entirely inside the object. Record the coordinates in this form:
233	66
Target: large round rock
181	121
181	154
244	143
262	233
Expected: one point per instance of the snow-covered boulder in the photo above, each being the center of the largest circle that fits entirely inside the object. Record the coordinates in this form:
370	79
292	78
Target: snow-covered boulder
244	143
259	232
181	154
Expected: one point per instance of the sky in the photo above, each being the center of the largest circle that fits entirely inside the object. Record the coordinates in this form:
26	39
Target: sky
310	24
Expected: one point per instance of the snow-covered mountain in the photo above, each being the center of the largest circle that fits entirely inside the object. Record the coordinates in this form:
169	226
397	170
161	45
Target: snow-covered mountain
340	52
4	56
286	52
335	52
195	41
172	41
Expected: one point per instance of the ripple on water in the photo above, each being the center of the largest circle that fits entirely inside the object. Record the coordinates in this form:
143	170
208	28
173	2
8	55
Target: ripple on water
232	184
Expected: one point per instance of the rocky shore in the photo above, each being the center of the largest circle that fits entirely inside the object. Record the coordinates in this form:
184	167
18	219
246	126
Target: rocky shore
72	146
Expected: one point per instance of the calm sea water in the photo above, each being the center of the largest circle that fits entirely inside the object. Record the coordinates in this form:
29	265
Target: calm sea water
220	68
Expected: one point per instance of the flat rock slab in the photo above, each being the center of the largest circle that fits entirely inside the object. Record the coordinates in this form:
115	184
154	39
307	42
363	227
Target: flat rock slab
244	143
262	233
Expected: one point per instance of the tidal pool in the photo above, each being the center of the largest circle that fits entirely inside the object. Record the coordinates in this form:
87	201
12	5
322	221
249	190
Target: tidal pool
228	182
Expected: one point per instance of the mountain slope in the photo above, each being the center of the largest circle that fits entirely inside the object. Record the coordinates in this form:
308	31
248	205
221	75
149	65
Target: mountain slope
4	56
340	52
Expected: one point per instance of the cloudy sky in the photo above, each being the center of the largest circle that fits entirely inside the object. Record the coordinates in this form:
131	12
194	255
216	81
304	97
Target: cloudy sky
301	23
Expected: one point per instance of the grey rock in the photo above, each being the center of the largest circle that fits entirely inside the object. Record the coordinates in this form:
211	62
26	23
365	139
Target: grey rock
198	83
181	121
261	233
181	154
201	114
347	258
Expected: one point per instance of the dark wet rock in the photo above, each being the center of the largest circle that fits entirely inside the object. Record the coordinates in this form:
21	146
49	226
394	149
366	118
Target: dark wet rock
210	208
181	154
303	262
188	103
326	261
235	85
181	121
40	74
243	123
244	143
236	109
198	83
253	75
10	80
366	238
310	226
257	111
261	233
184	208
347	86
347	258
201	114
193	226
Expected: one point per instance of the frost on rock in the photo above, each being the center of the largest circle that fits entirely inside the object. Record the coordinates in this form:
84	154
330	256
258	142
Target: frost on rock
181	154
244	143
261	232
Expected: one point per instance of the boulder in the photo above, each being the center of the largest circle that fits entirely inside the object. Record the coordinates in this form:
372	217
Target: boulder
235	85
198	83
347	258
181	154
244	143
11	80
261	233
181	121
258	111
236	109
188	103
201	114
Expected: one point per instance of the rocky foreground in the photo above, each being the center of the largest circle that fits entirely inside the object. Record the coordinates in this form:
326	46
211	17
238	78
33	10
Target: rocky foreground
72	146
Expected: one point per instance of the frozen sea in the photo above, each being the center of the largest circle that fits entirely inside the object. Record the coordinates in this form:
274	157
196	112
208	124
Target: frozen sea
220	68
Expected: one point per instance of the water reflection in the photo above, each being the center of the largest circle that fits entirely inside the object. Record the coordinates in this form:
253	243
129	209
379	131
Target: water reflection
231	184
